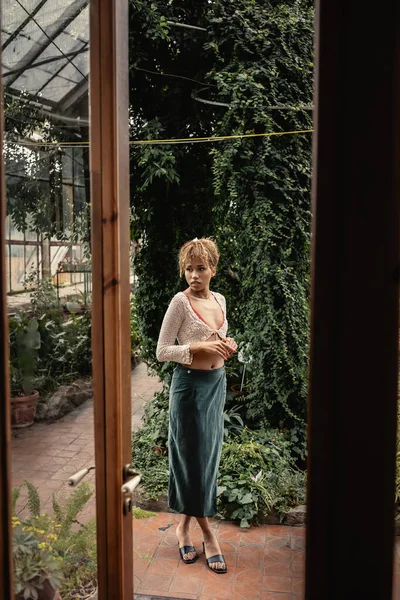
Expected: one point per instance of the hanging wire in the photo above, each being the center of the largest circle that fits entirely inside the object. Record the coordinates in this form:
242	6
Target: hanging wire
176	76
172	141
185	26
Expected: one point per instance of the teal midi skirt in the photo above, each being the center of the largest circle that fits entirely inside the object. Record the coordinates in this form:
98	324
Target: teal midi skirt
196	431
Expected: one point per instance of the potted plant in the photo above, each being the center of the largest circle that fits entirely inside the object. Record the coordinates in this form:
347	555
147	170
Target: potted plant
25	342
37	572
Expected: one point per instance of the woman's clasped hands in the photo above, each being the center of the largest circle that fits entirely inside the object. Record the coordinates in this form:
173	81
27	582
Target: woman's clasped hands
224	347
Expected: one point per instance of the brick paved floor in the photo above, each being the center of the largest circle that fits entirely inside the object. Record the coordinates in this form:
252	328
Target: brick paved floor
47	454
264	563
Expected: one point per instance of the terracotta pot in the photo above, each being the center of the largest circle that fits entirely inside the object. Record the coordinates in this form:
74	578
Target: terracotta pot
236	390
47	593
23	410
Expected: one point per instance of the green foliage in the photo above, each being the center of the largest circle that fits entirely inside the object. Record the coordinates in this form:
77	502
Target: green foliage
172	189
257	473
42	296
397	492
24	343
66	511
252	196
67	352
34	179
15	494
233	422
52	548
34	562
153	466
134	327
263	58
33	499
139	513
47	349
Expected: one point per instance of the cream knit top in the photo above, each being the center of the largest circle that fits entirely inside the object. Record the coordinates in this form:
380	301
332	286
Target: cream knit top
183	324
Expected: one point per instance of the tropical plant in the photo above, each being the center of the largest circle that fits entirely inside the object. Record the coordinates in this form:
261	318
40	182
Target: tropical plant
233	422
24	343
48	349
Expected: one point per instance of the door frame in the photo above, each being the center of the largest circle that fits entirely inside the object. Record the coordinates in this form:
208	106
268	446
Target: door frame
354	360
109	172
6	563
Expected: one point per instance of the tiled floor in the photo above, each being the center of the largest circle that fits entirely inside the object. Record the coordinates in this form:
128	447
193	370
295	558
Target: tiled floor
47	454
264	563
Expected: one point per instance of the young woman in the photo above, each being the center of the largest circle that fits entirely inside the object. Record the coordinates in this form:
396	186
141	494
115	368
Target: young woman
196	318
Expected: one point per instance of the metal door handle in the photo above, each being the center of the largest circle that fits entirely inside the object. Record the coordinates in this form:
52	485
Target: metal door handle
77	477
129	487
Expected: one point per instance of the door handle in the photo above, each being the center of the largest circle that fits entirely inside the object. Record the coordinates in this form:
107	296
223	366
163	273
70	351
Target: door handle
77	477
131	480
129	486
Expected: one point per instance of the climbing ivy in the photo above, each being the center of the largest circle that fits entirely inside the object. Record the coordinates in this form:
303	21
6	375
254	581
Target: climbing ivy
252	195
263	59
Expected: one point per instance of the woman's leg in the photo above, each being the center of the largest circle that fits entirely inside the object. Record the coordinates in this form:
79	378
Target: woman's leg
183	535
210	542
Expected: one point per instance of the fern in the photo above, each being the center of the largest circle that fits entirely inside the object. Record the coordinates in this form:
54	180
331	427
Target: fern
57	509
74	505
33	499
15	494
83	541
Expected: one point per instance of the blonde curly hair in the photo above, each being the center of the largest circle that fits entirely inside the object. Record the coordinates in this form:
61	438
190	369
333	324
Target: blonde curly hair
202	249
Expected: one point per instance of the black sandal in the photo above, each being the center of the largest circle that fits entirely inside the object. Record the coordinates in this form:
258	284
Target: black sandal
185	550
215	559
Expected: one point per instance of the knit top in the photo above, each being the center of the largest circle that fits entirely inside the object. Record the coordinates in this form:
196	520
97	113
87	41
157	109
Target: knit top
183	324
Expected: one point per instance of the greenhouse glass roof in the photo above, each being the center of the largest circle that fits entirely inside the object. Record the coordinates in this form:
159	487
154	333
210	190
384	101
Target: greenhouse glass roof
45	51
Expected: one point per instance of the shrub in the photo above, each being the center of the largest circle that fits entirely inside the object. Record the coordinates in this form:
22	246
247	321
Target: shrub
153	466
134	327
257	475
25	344
257	472
49	548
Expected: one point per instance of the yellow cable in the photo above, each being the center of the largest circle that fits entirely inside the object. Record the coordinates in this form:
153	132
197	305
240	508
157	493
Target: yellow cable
172	140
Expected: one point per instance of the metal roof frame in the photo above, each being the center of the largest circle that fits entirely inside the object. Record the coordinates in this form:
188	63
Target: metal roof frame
32	37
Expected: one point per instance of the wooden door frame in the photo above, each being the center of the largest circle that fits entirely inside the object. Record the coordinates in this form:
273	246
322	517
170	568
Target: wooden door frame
109	139
355	297
6	563
109	166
